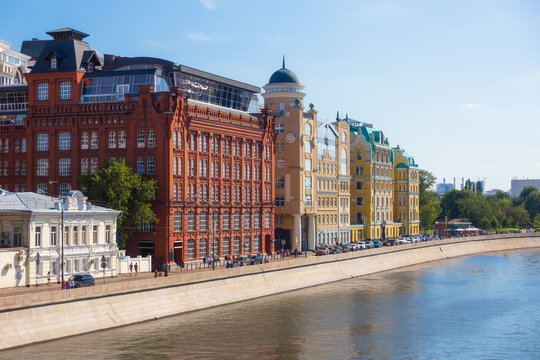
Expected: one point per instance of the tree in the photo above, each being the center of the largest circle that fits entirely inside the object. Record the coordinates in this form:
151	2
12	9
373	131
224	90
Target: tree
450	200
429	209
427	180
121	189
476	209
479	189
494	223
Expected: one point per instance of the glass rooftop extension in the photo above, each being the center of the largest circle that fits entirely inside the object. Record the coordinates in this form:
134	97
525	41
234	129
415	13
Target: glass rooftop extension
107	86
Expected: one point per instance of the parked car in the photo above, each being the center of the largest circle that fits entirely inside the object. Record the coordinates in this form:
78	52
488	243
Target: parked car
83	280
369	244
377	243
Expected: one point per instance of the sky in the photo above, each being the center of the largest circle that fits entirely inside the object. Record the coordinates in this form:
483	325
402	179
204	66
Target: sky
454	83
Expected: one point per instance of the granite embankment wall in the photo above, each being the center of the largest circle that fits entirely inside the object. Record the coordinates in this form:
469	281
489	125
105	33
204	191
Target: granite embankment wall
41	316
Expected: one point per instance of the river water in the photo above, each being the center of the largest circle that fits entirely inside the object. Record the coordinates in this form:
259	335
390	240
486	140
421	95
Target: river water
478	307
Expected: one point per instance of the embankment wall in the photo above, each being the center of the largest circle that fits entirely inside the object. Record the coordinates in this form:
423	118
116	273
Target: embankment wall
30	318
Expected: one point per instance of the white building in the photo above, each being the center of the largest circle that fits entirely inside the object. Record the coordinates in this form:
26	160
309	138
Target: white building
13	65
517	185
31	229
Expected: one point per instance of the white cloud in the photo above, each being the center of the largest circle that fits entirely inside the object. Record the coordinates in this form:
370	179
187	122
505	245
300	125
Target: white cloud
469	106
200	37
208	4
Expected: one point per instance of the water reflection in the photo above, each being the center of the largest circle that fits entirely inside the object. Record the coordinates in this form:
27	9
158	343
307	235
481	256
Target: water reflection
481	307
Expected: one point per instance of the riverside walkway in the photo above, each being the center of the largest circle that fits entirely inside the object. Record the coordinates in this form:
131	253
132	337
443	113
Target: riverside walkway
12	298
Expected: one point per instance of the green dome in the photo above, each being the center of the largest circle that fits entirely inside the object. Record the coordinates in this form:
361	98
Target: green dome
283	76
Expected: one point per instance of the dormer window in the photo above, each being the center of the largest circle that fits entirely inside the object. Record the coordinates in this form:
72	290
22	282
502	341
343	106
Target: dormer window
90	67
53	62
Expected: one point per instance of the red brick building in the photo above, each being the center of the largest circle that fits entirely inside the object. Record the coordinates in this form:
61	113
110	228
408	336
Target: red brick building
189	130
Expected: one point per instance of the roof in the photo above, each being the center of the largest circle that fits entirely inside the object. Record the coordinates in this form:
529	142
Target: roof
29	202
67	33
221	109
283	75
68	52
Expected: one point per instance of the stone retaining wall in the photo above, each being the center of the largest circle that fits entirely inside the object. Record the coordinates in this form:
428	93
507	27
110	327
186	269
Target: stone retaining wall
48	315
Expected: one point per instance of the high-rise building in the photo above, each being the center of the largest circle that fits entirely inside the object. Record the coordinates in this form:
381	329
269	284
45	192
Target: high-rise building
311	180
187	129
517	185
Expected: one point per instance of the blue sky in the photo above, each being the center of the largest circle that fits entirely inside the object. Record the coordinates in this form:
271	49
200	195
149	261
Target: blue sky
454	83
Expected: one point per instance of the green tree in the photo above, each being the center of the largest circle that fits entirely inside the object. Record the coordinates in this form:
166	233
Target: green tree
450	201
429	209
479	189
121	189
427	180
525	192
475	208
494	223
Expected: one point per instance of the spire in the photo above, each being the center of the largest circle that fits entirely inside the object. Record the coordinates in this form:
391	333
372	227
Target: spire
337	116
283	61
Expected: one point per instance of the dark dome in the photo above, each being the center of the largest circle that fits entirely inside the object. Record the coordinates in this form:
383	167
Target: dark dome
283	76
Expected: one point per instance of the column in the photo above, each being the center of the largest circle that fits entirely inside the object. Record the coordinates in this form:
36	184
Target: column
296	240
312	234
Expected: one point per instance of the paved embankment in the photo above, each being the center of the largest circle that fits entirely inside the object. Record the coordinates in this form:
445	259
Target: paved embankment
40	316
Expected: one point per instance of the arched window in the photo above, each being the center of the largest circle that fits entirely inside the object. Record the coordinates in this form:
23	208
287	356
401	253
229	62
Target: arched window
343	164
203	225
202	248
236	224
247	245
236	246
226	220
177	221
226	251
256	244
191	221
307	129
191	249
247	220
267	219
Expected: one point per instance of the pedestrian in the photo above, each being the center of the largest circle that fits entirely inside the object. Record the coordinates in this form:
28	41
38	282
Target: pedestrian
49	278
155	273
166	272
136	269
130	269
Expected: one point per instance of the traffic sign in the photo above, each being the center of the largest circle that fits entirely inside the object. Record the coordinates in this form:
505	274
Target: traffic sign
103	262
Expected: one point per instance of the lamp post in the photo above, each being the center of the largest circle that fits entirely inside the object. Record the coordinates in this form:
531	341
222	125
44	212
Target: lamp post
62	258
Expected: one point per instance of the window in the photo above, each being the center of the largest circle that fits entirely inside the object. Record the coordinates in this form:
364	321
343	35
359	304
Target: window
247	220
226	220
280	146
53	62
202	248
280	182
279	128
307	146
84	166
359	217
108	234
343	161
64	141
307	129
64	167
42	167
37	236
140	139
63	189
247	245
53	235
236	223
94	140
359	170
95	234
360	201
17	237
23	145
236	245
256	220
191	249
280	201
308	201
151	139
226	246
191	221
147	226
42	142
307	182
43	92
65	90
43	188
281	164
140	165
151	165
84	140
359	185
177	221
93	165
203	222
215	220
112	139
84	235
267	219
256	244
121	139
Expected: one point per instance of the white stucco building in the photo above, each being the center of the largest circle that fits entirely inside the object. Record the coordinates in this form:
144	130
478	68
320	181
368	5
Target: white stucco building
31	229
13	65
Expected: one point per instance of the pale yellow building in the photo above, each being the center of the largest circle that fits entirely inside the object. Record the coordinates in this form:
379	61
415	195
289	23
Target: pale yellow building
307	169
406	192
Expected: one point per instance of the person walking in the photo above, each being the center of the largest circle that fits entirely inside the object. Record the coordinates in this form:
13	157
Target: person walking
130	269
136	269
49	278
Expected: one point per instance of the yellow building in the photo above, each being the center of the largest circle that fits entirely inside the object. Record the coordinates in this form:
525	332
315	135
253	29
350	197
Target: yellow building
406	192
307	169
372	183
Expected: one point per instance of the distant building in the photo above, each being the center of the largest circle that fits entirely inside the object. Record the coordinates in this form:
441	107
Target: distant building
517	185
31	238
444	188
13	65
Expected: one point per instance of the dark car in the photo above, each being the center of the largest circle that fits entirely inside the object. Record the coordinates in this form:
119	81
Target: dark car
83	280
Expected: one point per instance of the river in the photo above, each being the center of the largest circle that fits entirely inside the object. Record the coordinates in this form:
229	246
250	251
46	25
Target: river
478	307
